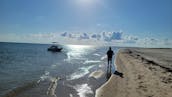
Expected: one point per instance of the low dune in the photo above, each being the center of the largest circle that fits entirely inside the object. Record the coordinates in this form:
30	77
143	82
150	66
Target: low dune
140	73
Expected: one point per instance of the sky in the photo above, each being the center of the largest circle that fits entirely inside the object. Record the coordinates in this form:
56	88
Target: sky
147	22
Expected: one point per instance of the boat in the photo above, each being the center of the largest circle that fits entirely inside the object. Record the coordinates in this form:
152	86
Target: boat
54	48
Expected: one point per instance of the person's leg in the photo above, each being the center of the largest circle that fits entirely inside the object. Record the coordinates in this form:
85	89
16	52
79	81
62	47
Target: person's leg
111	60
108	65
108	61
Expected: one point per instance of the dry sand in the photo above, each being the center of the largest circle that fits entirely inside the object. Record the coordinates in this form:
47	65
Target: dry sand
146	73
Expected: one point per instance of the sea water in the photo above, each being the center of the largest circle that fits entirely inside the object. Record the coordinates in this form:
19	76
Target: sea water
29	70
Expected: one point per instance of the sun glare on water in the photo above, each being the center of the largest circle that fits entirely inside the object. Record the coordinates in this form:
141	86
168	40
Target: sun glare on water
78	46
76	51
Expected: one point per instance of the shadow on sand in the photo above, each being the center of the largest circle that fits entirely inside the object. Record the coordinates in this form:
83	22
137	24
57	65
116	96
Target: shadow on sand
111	70
108	74
119	74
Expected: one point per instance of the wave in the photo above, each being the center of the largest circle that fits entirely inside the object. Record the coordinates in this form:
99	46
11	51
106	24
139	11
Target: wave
91	61
96	54
46	76
14	92
103	58
80	73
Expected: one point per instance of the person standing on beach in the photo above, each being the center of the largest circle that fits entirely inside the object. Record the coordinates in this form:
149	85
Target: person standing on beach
110	54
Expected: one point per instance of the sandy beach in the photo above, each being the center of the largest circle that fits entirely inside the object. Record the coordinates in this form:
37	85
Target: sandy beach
146	73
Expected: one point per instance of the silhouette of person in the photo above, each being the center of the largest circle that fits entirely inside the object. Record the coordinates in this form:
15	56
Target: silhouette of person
110	53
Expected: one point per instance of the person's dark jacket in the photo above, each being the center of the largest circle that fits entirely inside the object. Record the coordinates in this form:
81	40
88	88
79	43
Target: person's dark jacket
110	53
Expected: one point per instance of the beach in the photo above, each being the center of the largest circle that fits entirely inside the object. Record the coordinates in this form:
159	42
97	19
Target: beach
29	70
146	73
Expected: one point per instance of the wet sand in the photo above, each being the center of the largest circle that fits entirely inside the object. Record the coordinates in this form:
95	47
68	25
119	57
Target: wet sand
140	73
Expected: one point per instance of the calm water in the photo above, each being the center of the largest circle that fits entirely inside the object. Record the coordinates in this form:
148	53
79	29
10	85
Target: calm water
30	70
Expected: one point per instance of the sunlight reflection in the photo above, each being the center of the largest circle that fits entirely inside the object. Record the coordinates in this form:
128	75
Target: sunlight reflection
77	51
78	47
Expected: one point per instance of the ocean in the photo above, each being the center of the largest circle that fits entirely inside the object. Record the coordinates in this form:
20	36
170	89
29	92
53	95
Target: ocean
29	70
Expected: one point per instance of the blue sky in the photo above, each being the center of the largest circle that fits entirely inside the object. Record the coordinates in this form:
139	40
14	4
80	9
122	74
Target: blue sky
140	18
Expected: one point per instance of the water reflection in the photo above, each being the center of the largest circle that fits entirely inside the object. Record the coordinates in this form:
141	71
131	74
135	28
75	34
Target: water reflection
77	51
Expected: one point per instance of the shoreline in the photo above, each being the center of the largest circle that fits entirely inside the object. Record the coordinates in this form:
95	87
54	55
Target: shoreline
147	73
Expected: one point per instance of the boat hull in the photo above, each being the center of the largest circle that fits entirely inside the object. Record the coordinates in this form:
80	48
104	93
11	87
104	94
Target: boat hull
54	50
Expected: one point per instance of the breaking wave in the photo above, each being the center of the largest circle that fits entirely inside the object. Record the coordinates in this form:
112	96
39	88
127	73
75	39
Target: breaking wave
80	73
91	61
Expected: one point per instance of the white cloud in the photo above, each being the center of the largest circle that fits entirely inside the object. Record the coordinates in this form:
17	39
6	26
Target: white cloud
116	36
84	36
104	38
130	39
96	36
109	36
64	34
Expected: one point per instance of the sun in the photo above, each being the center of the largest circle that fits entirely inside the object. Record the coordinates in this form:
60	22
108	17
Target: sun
85	2
86	8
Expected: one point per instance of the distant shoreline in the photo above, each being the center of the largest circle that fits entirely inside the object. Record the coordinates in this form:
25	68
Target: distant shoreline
91	45
25	43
